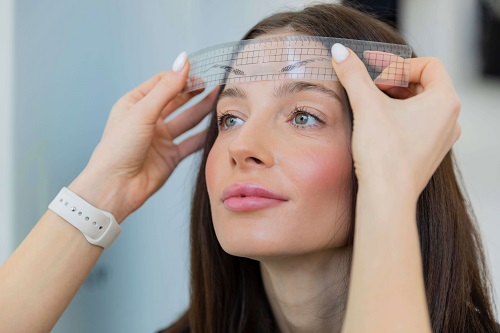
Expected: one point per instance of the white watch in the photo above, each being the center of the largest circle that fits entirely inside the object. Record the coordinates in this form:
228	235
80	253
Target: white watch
99	227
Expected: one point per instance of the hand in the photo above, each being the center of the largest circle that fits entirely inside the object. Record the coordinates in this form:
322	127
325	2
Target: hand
400	142
136	154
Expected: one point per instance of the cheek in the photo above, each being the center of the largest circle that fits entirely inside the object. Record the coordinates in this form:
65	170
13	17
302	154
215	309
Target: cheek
322	173
322	181
213	169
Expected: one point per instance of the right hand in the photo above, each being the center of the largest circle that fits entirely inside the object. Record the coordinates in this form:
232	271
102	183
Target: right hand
136	154
400	142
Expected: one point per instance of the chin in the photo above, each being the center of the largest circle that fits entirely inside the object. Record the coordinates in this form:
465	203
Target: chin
261	240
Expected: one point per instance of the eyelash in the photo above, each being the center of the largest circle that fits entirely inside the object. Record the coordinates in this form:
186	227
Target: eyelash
297	110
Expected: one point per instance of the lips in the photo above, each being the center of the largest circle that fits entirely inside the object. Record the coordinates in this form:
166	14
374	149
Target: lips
249	197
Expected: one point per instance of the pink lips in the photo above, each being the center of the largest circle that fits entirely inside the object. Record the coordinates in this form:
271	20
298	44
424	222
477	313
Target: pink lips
249	197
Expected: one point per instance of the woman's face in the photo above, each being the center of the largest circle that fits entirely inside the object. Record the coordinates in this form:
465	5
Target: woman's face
279	172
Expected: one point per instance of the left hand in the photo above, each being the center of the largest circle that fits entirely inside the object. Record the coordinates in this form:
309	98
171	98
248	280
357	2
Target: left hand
400	142
137	152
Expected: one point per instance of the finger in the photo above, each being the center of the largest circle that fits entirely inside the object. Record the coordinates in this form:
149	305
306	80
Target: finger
384	62
380	60
191	144
354	76
421	70
413	89
194	82
179	101
397	92
429	72
183	97
128	100
138	93
192	116
394	70
162	93
456	132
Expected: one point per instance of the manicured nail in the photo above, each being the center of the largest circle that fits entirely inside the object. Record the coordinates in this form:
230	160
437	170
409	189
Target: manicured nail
339	52
180	61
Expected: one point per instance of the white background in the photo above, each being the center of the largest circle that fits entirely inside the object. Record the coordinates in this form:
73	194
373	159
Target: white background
64	63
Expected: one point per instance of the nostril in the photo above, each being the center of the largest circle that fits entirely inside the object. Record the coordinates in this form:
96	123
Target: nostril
256	160
244	157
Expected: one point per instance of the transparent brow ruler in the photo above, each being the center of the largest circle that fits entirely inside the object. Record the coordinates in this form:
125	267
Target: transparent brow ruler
292	57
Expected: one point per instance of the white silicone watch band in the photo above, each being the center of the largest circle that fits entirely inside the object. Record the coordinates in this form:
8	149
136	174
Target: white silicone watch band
99	227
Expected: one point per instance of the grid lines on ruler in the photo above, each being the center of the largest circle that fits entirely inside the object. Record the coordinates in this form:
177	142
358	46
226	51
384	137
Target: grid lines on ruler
225	59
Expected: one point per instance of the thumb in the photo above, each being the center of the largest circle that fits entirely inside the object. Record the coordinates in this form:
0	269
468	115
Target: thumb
354	77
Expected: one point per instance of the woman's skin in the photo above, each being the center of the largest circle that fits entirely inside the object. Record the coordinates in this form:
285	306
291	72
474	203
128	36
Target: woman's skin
396	146
300	242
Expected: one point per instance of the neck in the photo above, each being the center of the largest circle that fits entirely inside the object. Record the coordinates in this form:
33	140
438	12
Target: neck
308	293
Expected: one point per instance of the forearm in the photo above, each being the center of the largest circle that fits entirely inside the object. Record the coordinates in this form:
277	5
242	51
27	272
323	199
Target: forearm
386	292
43	275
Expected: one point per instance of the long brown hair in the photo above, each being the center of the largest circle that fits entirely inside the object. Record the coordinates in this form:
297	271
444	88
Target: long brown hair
227	293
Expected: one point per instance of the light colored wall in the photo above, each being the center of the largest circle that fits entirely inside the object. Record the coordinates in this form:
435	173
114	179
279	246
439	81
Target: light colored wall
6	115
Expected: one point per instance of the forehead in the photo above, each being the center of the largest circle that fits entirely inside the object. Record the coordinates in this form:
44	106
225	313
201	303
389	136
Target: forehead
263	59
282	87
281	69
324	91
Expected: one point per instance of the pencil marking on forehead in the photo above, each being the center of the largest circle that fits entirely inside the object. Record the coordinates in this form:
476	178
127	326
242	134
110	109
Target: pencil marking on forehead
302	63
228	69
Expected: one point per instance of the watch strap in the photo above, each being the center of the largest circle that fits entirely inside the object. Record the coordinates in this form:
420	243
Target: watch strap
99	227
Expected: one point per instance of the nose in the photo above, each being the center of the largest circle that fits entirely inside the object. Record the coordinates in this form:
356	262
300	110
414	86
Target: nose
251	147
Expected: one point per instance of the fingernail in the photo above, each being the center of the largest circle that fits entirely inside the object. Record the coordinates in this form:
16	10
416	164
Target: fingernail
339	52
179	62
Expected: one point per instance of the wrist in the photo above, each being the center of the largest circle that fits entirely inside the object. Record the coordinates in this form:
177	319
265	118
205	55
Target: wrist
390	189
101	192
386	198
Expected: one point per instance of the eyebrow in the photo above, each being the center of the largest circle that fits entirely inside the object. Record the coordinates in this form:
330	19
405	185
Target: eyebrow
288	68
302	63
284	89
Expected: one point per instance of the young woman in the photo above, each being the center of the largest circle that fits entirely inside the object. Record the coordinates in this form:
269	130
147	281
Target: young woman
327	206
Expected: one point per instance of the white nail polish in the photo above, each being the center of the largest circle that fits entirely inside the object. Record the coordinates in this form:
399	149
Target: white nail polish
179	62
339	53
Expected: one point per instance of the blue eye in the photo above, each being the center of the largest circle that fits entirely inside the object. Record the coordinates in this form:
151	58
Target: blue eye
227	120
302	118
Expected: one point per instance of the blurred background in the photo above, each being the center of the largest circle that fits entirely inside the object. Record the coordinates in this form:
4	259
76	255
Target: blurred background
63	63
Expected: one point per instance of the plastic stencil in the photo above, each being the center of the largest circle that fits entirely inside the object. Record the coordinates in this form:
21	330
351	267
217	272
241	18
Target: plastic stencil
293	57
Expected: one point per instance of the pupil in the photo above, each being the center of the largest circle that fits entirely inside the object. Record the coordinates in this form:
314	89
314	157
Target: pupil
301	118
